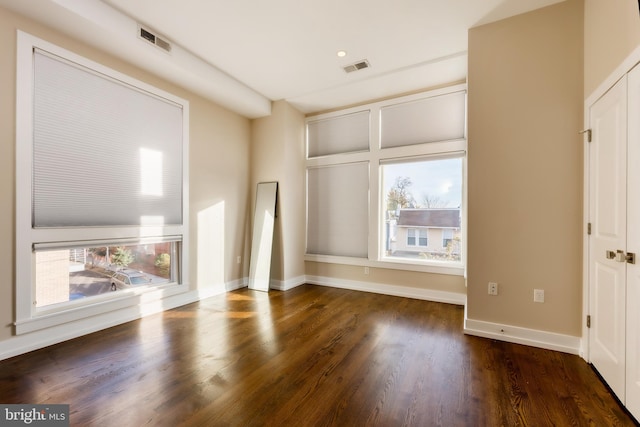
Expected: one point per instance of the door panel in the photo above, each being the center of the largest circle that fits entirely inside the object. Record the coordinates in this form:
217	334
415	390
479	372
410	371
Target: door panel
608	211
633	246
606	334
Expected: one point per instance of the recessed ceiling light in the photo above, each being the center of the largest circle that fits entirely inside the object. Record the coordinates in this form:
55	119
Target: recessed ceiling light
342	53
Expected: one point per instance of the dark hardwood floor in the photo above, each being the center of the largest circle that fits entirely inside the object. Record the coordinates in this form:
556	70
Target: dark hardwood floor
311	356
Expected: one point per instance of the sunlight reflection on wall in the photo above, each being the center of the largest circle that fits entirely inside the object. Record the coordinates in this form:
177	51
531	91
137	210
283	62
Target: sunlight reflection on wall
210	248
151	172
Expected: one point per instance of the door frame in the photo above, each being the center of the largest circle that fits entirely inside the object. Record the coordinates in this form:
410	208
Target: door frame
629	62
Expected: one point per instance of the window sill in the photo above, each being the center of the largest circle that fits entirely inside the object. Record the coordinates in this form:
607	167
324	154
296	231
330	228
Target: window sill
453	269
50	318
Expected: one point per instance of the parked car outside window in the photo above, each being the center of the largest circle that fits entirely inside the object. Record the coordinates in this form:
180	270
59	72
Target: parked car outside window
128	278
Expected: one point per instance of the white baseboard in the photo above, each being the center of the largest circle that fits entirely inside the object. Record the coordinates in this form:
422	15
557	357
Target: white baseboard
514	334
393	290
24	343
285	285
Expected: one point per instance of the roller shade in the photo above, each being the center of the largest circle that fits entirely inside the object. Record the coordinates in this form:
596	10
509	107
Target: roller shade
104	153
433	119
343	134
338	210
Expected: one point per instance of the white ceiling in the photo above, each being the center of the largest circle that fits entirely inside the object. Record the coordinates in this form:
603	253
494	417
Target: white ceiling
243	53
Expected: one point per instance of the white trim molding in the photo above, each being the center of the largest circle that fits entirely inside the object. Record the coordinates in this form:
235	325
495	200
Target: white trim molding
517	335
285	285
220	288
387	289
625	66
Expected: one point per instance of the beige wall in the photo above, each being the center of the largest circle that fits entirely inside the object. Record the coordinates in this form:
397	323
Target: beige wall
219	169
411	279
219	191
611	33
277	154
7	172
525	169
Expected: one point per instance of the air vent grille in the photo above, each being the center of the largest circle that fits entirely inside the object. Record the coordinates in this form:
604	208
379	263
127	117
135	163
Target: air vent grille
360	65
154	39
163	44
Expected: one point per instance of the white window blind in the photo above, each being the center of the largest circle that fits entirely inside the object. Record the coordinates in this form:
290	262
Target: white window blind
437	118
104	153
338	210
343	134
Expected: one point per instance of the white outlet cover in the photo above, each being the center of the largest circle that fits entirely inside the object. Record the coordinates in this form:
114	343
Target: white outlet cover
493	288
538	295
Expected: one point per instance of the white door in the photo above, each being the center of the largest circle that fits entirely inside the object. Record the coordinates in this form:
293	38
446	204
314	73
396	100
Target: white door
608	216
633	246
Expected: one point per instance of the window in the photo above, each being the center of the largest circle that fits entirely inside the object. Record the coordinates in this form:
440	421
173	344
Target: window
347	133
64	275
411	237
406	196
422	238
424	193
429	119
447	237
417	237
100	190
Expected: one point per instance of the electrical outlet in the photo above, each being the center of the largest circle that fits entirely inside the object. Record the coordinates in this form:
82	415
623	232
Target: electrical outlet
366	270
538	295
493	288
239	259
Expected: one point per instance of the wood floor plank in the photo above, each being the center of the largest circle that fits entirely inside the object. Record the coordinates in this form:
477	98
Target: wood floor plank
311	356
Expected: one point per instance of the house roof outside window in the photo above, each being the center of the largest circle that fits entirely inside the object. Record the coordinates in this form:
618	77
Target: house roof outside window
442	218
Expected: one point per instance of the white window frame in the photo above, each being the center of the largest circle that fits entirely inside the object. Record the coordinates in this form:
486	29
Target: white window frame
377	156
29	319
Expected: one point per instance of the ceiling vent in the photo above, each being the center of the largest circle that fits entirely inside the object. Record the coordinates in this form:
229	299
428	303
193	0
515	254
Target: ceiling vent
147	35
360	65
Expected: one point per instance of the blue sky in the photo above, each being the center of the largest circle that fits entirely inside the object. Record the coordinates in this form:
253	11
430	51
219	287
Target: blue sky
440	178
